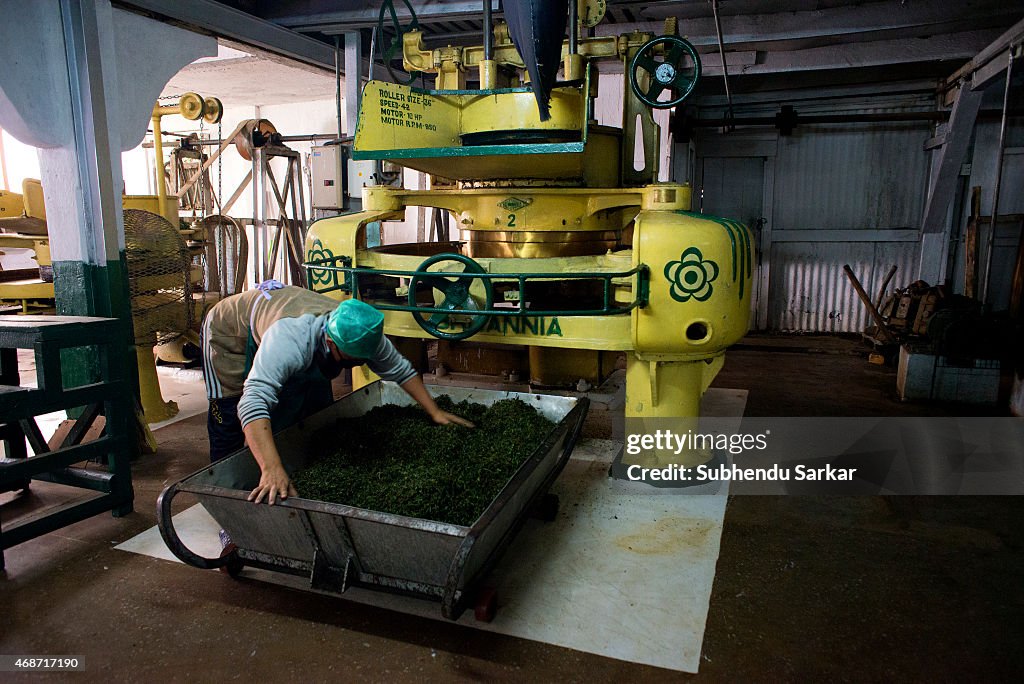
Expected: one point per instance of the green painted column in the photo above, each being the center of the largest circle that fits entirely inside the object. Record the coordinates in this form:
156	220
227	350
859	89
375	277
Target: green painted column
88	290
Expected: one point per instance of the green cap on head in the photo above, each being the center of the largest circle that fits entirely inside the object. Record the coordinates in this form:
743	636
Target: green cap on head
356	328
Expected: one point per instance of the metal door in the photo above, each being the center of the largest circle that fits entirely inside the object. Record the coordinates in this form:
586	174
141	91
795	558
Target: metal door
734	187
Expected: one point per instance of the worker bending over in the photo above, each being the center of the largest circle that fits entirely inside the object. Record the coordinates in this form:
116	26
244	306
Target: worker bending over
269	356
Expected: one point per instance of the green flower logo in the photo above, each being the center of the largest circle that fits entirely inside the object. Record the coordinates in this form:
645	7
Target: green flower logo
319	253
691	276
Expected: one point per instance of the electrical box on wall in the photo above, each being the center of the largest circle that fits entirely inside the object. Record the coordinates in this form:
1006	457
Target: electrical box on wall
328	166
361	173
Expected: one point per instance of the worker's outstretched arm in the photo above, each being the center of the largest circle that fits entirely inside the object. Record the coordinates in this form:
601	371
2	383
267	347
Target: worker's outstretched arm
285	350
415	388
274	481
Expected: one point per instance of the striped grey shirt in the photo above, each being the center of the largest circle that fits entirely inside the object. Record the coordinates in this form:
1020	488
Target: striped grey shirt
288	348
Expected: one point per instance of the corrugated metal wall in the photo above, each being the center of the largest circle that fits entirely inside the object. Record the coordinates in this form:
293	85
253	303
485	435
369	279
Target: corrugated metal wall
809	291
856	177
851	177
867	180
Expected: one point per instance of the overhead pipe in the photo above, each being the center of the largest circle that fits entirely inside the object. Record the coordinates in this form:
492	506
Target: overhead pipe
488	32
373	52
725	64
337	81
573	66
192	107
574	26
311	137
488	67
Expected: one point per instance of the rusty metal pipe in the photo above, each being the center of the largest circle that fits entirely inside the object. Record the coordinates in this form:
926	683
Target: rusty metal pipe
488	32
725	64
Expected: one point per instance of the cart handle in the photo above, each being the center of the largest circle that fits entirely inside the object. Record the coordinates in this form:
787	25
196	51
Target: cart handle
173	541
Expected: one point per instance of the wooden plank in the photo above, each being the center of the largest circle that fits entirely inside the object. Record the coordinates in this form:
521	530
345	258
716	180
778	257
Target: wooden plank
950	156
992	61
971	245
83	426
224	144
237	193
883	331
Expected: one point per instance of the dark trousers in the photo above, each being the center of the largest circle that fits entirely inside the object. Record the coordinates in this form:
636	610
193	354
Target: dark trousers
300	397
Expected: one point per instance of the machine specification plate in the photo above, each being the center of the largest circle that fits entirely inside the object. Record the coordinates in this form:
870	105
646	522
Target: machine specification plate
397	117
405	109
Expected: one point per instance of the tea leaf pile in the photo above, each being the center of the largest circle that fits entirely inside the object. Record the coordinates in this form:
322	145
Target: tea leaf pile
396	460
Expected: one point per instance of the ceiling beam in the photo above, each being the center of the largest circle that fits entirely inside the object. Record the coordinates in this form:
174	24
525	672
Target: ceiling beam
426	12
833	92
947	47
952	47
987	65
842	22
689	9
224	21
852	23
1012	38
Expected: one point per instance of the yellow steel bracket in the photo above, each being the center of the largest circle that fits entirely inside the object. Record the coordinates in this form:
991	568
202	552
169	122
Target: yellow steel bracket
451	63
348	232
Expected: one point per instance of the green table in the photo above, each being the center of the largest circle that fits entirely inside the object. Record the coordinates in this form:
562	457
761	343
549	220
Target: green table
109	395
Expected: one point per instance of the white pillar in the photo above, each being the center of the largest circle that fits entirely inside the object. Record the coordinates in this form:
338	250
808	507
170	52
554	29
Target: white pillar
80	81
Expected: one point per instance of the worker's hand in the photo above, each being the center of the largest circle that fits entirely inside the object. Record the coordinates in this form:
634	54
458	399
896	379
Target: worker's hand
445	418
273	483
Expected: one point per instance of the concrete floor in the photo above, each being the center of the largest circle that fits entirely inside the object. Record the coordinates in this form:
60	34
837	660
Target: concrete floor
840	588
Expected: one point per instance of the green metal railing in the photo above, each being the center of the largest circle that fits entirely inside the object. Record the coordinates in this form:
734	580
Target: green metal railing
337	274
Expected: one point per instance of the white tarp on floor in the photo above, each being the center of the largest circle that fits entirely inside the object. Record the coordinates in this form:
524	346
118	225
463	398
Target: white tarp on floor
619	573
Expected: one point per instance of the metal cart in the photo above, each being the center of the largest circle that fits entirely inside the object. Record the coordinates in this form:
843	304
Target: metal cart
339	546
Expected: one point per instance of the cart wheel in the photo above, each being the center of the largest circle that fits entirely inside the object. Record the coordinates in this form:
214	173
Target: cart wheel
546	508
235	564
486	604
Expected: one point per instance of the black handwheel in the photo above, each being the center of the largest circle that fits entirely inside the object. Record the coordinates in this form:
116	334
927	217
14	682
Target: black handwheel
388	52
455	288
679	72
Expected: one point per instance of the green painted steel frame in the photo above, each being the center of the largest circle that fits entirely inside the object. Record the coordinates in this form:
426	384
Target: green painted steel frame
350	283
48	336
574	147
